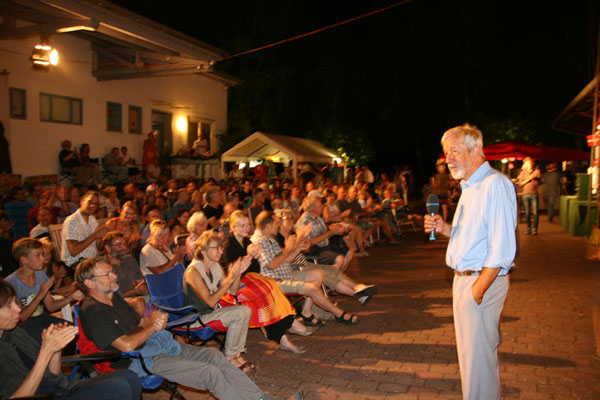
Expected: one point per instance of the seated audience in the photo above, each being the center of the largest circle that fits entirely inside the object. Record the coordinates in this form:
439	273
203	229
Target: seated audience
196	226
183	201
275	263
111	201
214	206
67	158
113	163
178	225
205	283
81	231
31	367
151	213
156	257
270	308
153	173
86	171
355	237
57	270
129	276
32	287
44	217
319	235
112	324
127	224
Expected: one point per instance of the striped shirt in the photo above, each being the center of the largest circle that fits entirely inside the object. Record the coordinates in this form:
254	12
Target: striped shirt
269	249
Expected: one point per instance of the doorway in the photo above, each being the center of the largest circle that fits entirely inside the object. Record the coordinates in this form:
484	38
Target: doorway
161	124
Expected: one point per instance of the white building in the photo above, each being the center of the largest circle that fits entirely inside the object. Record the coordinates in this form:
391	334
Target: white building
119	76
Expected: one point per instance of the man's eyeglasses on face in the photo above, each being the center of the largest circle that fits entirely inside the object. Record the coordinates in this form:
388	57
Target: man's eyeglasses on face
107	274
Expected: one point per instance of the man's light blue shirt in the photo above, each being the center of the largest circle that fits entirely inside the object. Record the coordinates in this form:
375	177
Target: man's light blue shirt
483	229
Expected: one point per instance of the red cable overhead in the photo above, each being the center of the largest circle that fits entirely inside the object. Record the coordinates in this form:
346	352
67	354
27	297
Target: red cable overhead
314	32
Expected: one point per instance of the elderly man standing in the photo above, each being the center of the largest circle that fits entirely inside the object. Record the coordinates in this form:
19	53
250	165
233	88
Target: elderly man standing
481	251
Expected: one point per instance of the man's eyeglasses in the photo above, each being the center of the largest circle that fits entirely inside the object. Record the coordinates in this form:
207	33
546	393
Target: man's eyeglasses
216	247
107	274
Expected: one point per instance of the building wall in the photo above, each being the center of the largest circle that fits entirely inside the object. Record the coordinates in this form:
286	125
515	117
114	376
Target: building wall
34	145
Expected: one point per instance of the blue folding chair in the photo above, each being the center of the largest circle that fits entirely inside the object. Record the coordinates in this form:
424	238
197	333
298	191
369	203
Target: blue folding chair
100	360
166	294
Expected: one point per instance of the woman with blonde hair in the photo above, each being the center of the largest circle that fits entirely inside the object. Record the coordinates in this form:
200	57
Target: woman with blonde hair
204	283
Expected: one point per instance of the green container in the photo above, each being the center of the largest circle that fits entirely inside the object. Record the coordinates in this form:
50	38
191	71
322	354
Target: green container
577	222
582	185
563	213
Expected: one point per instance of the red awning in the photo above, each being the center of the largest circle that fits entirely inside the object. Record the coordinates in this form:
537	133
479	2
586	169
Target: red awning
518	151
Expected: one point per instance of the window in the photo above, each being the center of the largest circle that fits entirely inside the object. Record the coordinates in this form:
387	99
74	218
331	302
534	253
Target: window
135	119
55	108
18	104
113	117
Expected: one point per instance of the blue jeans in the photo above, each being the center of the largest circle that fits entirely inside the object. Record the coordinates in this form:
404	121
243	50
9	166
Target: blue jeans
117	385
530	205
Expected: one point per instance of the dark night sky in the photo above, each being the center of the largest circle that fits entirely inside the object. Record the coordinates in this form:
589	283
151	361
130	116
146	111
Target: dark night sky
398	79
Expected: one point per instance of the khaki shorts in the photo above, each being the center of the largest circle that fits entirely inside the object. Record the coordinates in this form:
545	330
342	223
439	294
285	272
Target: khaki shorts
331	277
295	284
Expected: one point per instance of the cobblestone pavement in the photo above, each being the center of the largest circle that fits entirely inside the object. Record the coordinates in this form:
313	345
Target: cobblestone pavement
404	347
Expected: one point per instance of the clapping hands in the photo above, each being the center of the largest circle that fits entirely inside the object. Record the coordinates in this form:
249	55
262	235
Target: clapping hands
57	336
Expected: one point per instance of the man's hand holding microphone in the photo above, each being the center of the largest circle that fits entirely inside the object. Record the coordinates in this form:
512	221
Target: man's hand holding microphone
433	222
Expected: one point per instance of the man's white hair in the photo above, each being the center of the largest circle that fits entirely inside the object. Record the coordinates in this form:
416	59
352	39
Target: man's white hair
472	137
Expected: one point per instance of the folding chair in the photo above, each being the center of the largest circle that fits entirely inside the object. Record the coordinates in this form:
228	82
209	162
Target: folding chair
102	360
55	236
402	221
166	293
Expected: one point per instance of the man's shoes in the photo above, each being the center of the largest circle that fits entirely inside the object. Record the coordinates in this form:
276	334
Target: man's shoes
364	293
362	254
535	232
528	231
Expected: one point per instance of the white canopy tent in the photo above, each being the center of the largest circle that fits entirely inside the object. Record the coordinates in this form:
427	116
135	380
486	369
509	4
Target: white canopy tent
260	146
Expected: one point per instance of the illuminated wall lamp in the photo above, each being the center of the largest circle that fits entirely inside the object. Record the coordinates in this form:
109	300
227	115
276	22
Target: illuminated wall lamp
44	56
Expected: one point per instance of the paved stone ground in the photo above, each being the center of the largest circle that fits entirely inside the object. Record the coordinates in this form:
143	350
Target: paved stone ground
404	346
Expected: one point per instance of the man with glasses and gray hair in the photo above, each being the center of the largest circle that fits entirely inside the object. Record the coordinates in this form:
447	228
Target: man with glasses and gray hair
129	276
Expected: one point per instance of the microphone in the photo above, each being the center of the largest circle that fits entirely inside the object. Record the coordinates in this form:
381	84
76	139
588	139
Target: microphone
433	207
